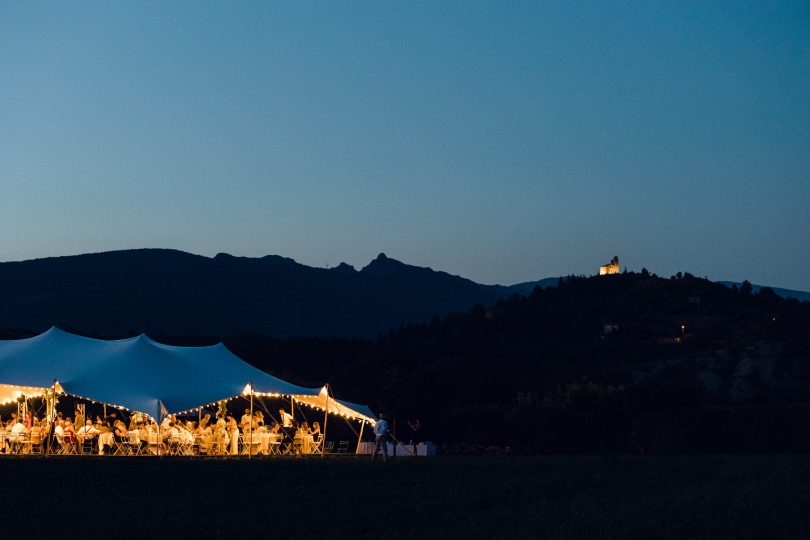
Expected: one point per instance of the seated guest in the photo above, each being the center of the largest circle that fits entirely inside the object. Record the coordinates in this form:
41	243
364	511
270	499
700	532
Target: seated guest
120	432
258	419
222	438
36	429
87	431
316	429
59	431
170	435
17	433
304	427
19	428
6	428
186	434
70	431
143	435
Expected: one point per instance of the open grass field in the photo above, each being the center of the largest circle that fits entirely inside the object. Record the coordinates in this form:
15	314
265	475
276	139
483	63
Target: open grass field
449	497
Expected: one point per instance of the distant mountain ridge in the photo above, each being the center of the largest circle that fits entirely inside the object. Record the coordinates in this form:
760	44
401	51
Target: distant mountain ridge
162	291
801	296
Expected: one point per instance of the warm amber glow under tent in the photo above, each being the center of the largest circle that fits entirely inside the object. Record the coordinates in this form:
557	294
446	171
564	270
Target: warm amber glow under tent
142	375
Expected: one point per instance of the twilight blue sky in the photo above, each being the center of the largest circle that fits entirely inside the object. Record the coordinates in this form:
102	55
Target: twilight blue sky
503	141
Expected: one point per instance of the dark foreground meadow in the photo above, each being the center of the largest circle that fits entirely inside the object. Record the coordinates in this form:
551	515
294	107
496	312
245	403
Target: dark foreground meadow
453	497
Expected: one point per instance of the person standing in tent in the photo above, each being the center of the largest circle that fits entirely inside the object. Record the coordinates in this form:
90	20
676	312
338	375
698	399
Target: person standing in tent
286	418
380	438
244	423
78	418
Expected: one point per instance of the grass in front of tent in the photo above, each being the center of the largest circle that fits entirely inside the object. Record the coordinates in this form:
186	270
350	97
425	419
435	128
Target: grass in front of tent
451	497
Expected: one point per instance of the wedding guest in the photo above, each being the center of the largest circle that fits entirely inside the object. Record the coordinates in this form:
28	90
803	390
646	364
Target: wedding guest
79	418
70	431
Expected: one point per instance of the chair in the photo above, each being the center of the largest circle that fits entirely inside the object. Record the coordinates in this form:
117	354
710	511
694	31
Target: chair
134	443
121	446
186	446
174	444
25	445
316	447
217	444
275	445
330	446
36	443
250	446
15	443
88	445
200	446
70	445
343	447
60	444
298	443
152	442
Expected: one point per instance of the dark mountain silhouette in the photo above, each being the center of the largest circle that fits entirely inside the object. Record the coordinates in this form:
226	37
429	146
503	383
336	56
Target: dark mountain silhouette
162	291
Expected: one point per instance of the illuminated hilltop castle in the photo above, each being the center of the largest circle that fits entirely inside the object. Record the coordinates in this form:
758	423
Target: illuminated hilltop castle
610	268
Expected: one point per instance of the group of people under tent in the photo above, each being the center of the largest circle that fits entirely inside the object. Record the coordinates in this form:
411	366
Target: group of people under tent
140	435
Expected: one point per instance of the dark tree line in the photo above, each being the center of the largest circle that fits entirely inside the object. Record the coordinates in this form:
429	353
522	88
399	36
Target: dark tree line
623	363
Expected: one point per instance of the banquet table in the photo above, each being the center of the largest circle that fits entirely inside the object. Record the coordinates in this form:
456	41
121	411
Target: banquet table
262	442
267	440
400	450
105	439
306	440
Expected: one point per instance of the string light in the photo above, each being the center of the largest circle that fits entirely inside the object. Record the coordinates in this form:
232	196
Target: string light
335	407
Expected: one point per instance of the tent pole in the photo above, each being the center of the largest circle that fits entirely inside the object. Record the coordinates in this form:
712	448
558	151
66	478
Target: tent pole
325	418
292	410
105	411
50	422
158	445
360	438
250	423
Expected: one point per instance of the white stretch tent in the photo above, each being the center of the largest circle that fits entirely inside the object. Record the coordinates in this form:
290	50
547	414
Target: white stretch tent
141	374
348	409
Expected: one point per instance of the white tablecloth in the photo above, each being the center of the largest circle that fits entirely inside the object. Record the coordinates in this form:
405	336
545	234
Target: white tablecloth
422	449
104	439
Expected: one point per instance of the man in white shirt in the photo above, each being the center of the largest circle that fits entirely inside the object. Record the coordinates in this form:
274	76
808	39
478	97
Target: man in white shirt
87	433
164	426
244	423
286	418
17	433
170	436
88	430
59	431
380	438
